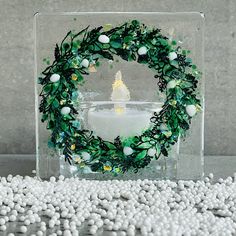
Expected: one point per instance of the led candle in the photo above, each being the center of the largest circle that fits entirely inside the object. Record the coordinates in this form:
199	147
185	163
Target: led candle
121	120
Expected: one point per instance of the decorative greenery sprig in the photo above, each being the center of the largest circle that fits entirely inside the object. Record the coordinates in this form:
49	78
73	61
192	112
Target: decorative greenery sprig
176	76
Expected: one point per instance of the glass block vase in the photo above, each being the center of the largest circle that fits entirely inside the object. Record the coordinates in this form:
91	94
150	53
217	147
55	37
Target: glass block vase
95	100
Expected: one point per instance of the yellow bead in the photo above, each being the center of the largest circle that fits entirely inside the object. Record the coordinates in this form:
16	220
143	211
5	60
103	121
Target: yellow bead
78	160
62	102
198	108
168	134
82	164
173	102
117	170
107	27
107	168
74	77
92	68
119	110
72	147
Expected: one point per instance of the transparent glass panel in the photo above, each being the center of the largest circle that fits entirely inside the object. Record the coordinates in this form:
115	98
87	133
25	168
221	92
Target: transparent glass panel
185	161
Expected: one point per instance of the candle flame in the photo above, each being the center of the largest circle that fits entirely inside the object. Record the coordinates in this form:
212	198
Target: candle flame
120	92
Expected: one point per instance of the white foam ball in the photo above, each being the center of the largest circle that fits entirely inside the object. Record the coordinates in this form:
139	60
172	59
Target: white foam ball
59	232
65	110
2	221
3	228
40	233
211	175
52	179
171	84
23	229
128	151
43	228
85	63
14	212
67	232
152	152
191	110
27	222
12	218
142	50
3	212
172	56
54	78
103	38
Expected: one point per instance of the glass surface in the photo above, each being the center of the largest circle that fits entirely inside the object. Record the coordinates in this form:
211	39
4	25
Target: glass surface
186	158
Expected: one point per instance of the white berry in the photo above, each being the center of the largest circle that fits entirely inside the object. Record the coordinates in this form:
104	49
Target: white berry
128	151
191	110
172	56
54	78
103	39
171	84
85	63
65	110
142	50
151	152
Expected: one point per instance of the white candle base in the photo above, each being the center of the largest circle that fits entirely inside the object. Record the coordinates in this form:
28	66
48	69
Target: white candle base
107	124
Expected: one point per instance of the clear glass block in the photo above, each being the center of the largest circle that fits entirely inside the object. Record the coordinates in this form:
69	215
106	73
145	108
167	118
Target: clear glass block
186	159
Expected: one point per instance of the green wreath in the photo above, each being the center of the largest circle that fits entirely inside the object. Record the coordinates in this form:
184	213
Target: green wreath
176	75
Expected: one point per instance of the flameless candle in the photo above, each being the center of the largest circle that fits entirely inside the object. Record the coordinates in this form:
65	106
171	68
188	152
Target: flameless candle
120	120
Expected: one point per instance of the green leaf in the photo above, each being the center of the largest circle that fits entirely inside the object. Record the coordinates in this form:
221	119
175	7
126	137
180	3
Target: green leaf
50	100
107	55
116	44
47	88
97	48
173	42
64	94
189	60
106	46
128	141
110	145
167	68
80	77
127	39
44	117
51	144
64	126
174	63
145	145
52	116
141	155
163	42
55	103
50	125
55	87
186	85
135	23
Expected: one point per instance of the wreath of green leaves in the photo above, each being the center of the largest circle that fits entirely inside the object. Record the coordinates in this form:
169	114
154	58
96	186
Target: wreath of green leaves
176	76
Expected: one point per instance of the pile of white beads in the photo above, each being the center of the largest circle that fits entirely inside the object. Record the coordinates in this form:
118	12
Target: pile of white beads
142	207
